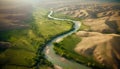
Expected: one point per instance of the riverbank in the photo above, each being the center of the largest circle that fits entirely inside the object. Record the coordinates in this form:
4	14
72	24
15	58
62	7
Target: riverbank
50	53
47	29
66	48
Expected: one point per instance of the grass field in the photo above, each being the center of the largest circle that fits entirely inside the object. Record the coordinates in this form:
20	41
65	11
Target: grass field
70	42
25	42
61	15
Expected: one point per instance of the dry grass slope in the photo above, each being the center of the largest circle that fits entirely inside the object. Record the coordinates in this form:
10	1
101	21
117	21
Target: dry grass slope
104	48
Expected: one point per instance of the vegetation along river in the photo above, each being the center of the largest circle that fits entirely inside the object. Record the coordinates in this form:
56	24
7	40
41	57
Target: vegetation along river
56	60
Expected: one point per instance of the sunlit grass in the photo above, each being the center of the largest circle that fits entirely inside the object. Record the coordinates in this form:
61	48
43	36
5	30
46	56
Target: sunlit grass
49	27
25	42
70	43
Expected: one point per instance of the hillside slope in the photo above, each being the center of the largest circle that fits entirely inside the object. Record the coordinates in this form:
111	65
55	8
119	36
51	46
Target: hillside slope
104	48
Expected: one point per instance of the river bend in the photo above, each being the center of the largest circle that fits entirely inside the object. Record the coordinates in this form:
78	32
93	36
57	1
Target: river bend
58	61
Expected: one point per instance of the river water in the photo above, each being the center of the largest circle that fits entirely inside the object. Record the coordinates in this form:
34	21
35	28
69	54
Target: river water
58	61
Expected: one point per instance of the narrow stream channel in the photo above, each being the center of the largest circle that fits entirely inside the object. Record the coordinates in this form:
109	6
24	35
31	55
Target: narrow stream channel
56	60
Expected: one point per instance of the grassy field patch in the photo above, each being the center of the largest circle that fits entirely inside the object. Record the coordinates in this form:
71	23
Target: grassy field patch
25	43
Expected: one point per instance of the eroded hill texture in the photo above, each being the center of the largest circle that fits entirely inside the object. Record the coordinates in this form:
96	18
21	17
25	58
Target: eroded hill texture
102	40
104	48
103	18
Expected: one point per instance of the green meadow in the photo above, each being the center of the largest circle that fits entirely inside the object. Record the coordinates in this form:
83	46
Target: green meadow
25	43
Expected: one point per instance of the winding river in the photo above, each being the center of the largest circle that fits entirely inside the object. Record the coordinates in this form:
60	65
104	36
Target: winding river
58	61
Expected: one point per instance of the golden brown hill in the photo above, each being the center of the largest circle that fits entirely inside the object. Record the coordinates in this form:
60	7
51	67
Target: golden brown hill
104	24
104	48
104	18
